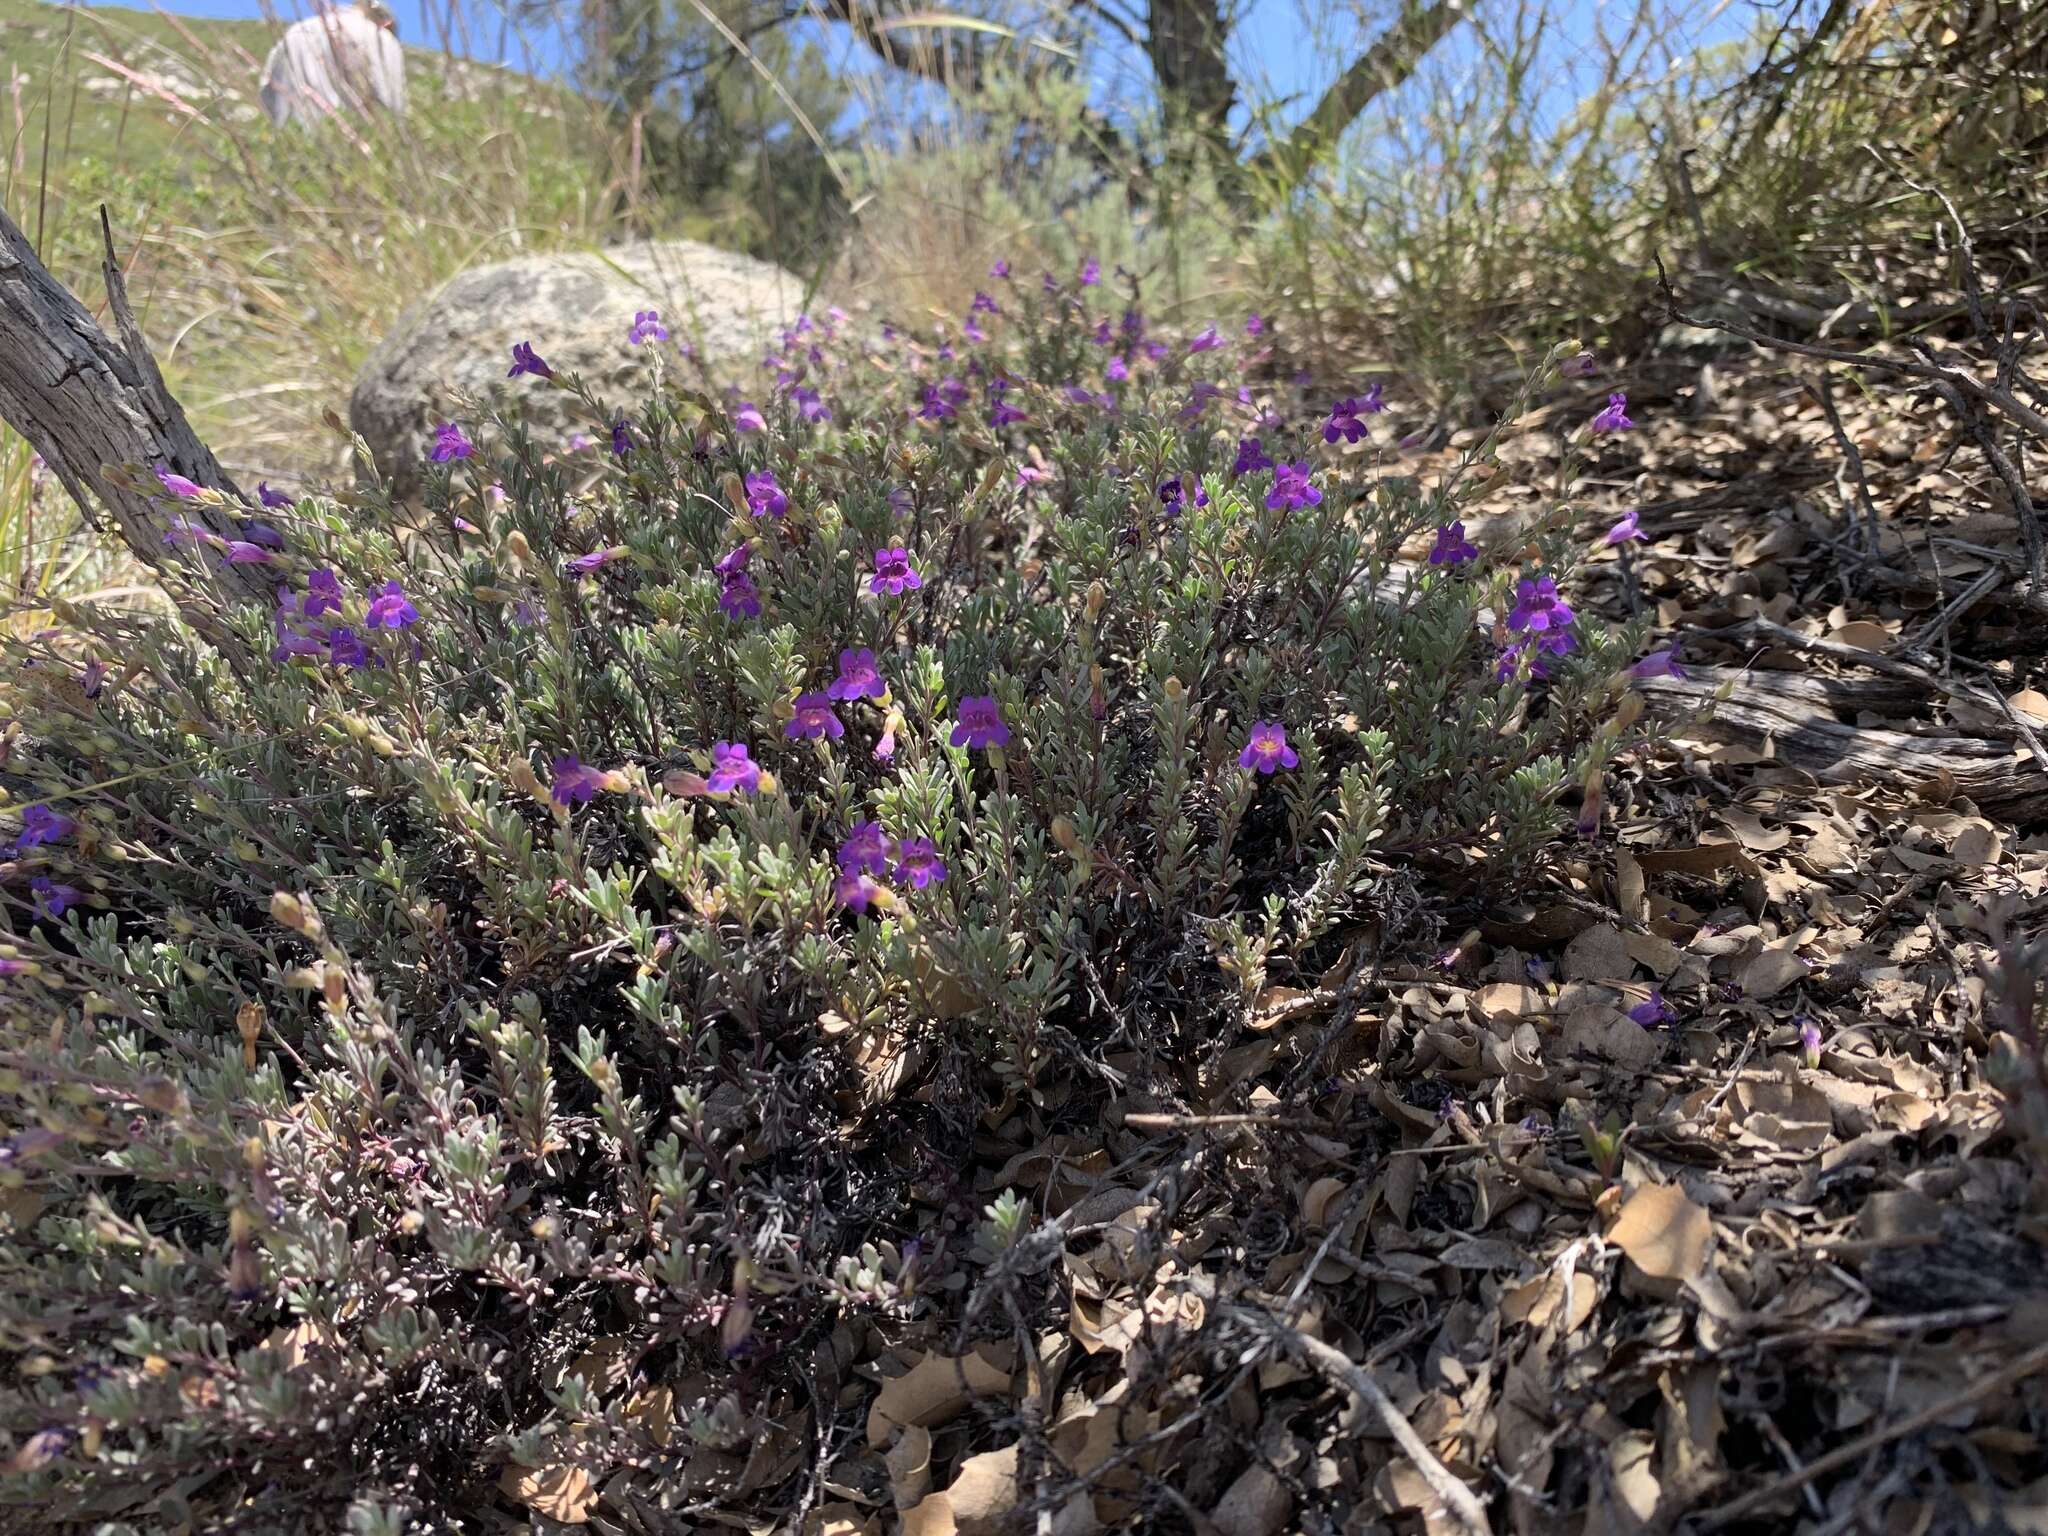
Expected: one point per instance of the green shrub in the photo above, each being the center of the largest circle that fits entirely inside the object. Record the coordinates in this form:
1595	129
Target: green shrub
435	990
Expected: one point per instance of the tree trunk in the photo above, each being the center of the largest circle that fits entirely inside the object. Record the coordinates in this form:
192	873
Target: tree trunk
86	404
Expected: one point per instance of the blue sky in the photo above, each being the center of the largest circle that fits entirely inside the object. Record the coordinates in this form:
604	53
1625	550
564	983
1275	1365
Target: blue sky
1286	50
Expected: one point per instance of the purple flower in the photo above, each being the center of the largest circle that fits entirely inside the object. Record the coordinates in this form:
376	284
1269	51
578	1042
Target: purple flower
866	849
1251	457
1347	417
980	723
345	649
646	327
1031	474
1199	399
893	572
738	599
734	561
983	305
1654	1010
815	717
41	826
1000	269
1538	608
1173	494
899	500
1002	413
323	593
747	417
1809	1043
449	443
1254	324
296	636
583	565
575	782
52	900
859	677
732	769
1116	371
92	677
177	485
1452	547
9	966
855	891
526	360
1660	663
263	534
942	400
390	609
1291	489
1578	366
242	552
1266	749
183	530
1614	418
1208	341
1091	272
275	500
622	437
1555	642
918	862
1625	530
809	405
764	497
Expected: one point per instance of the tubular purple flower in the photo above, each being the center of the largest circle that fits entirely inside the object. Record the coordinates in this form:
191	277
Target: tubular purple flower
1538	608
1251	457
1452	547
1208	341
983	305
1266	749
646	327
1809	1043
1625	530
1291	489
575	782
738	599
345	649
263	534
1116	371
1659	663
894	573
176	484
52	899
41	826
390	609
856	892
583	565
622	437
1347	417
809	405
1614	418
866	849
918	863
526	360
275	500
450	443
815	717
764	497
1002	413
323	593
859	677
980	723
92	677
1254	324
731	769
1091	272
242	552
1654	1010
747	417
1001	268
1578	366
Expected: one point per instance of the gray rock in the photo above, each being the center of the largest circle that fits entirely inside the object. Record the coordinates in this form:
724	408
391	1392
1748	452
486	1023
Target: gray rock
576	309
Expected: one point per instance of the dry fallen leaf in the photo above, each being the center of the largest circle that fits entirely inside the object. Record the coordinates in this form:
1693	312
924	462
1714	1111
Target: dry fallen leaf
565	1494
1662	1231
936	1388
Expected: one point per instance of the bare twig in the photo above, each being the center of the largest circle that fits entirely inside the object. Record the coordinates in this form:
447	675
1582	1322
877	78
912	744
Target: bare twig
1823	391
1341	1370
1998	1381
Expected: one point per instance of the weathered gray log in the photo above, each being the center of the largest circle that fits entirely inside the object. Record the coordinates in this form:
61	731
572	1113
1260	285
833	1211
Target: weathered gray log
1797	716
86	404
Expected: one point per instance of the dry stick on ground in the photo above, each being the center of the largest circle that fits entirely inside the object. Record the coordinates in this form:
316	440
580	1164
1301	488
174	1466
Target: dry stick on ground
1338	1368
1998	1381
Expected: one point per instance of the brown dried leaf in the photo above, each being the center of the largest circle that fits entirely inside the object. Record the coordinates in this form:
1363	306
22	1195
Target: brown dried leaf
936	1388
565	1494
1663	1232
